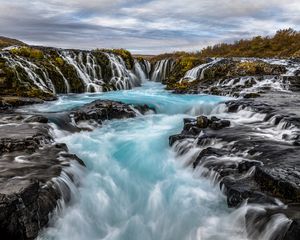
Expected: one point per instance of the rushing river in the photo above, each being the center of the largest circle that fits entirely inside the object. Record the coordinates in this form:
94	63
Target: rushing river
135	187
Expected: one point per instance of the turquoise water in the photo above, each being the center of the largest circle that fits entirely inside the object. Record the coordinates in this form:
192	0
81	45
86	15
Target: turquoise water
135	187
152	94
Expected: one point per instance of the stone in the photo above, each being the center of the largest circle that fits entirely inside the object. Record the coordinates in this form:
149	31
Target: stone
202	122
37	119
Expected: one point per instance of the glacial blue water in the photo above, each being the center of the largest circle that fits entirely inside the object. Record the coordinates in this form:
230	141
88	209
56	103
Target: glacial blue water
136	188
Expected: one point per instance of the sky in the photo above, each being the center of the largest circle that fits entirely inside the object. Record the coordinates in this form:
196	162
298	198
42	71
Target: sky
144	27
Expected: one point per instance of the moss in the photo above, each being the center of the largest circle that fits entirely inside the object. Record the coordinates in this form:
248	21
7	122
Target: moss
36	53
123	53
182	65
28	52
59	61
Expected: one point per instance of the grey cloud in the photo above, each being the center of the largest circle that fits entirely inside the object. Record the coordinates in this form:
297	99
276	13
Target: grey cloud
143	26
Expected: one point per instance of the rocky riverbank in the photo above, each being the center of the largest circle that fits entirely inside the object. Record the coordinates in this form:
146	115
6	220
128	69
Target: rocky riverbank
38	174
252	152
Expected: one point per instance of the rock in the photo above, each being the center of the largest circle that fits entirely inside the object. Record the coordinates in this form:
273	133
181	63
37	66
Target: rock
213	119
251	95
101	110
37	119
202	122
293	232
189	121
2	73
217	125
27	151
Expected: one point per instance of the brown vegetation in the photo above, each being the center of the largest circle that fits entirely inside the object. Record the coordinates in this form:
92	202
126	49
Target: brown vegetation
6	42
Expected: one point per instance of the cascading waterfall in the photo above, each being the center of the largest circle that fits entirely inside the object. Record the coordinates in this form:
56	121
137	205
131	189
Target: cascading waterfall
147	68
161	70
140	72
122	78
41	81
85	66
66	82
86	72
198	72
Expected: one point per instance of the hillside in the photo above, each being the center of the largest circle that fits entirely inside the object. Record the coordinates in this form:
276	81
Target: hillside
284	44
6	42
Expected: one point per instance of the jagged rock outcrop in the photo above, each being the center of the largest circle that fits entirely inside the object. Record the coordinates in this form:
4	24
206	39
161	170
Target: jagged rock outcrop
30	162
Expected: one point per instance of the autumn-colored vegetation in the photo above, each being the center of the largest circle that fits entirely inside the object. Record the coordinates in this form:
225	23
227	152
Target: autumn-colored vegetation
6	42
28	52
125	54
285	43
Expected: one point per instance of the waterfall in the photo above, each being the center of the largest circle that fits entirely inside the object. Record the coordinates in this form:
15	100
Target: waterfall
122	78
198	72
86	72
147	65
141	73
84	65
42	81
66	82
162	69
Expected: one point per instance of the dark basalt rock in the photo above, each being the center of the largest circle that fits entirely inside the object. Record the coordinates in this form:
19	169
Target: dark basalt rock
37	119
203	122
251	167
101	110
251	95
195	126
29	161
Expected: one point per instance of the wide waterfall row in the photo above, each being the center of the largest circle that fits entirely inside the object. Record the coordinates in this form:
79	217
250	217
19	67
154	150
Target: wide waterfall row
65	71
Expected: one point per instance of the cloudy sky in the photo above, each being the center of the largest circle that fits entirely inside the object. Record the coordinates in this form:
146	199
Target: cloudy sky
152	26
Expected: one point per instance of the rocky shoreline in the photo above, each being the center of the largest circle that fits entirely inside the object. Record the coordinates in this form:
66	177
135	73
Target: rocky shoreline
252	154
38	174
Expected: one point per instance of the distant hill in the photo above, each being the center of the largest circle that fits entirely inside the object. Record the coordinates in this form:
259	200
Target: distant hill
6	42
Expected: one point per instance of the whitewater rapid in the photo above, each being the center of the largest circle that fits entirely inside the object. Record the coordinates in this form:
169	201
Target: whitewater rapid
135	187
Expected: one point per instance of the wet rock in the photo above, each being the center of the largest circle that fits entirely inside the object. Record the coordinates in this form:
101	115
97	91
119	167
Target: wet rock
210	151
2	73
101	110
12	102
217	125
27	151
189	121
203	122
251	95
37	119
293	232
178	137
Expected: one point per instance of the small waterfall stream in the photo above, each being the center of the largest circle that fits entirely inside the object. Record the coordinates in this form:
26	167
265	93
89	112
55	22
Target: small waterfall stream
198	72
86	72
122	78
161	70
